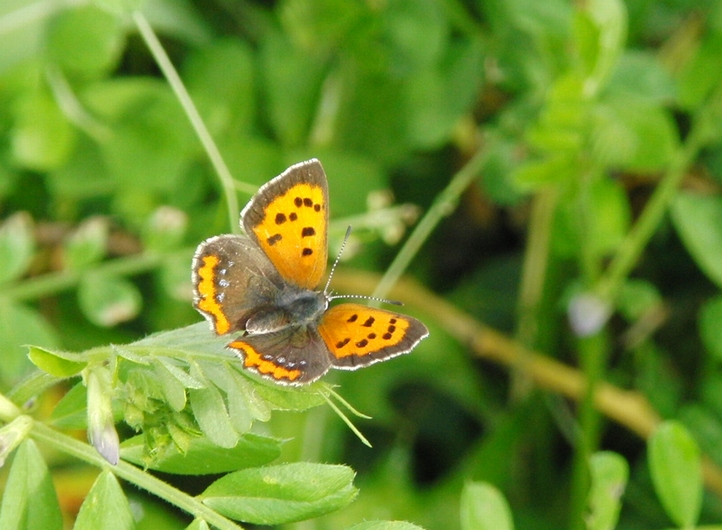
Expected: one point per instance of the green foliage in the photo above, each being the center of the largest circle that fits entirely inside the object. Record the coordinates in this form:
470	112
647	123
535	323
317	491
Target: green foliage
483	507
105	506
567	160
29	500
674	460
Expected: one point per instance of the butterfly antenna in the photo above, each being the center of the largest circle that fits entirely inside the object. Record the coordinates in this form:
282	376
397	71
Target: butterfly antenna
357	296
338	257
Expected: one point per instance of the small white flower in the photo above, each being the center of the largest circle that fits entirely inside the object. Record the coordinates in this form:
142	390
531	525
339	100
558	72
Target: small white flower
587	314
101	426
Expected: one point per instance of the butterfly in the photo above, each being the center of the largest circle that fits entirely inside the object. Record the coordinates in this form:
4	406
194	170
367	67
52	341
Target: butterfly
263	287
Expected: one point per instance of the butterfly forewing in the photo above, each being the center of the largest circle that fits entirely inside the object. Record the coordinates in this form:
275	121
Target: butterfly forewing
288	218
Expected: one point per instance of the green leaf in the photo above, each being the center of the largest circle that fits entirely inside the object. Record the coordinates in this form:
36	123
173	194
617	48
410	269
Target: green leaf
561	127
633	134
180	375
85	40
17	245
152	142
173	390
700	75
698	220
417	31
385	525
84	174
210	412
107	300
204	457
19	41
231	383
703	420
105	506
198	339
637	298
87	244
221	79
59	365
441	94
29	500
281	494
42	138
71	412
13	434
198	524
710	326
19	326
483	507
609	475
609	215
601	31
165	229
642	75
676	469
292	83
536	174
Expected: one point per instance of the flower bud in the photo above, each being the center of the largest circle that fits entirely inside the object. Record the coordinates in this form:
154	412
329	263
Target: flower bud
587	314
101	425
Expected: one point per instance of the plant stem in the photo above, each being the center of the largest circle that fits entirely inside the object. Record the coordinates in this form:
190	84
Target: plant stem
132	474
533	278
636	240
593	353
174	80
55	282
444	204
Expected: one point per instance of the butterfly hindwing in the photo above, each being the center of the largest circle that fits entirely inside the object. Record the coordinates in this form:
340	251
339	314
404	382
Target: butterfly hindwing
231	279
357	335
288	219
292	356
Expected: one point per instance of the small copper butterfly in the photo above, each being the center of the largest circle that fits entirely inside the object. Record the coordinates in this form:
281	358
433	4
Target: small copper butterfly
264	285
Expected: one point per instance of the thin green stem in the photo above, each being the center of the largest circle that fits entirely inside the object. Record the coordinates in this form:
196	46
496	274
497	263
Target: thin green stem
174	80
636	240
56	282
593	354
73	108
444	204
533	279
132	474
31	386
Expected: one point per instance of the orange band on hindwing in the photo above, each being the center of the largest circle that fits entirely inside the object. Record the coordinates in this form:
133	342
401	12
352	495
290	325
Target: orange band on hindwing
207	290
253	360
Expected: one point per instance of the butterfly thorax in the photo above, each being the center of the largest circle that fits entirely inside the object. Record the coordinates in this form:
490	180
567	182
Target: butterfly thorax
292	306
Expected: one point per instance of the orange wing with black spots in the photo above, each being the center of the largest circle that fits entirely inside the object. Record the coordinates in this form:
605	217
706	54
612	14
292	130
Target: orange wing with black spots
357	335
288	219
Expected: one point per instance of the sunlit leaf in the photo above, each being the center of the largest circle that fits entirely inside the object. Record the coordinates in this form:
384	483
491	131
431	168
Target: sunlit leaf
676	468
483	507
105	506
698	219
609	474
108	300
281	494
203	457
29	500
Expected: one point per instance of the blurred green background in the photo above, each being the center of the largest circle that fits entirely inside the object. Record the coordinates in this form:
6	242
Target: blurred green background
594	134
